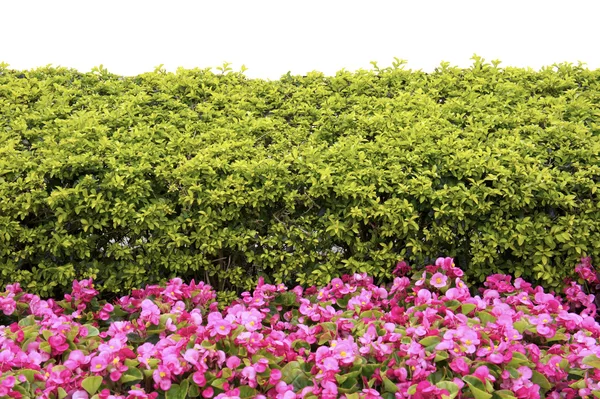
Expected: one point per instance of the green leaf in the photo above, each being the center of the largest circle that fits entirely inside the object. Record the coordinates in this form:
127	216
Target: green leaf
467	308
29	374
389	385
62	393
430	341
449	386
541	380
92	384
131	375
292	374
478	393
92	331
441	355
518	359
218	383
503	394
247	392
193	391
485	318
178	391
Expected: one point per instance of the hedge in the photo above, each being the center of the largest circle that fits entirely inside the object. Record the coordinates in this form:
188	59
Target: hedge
196	174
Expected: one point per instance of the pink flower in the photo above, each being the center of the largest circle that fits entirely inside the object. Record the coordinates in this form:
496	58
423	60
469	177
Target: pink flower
80	394
438	280
370	393
402	269
162	377
233	362
219	325
113	346
483	373
541	322
6	385
344	352
76	359
150	312
460	366
8	304
249	375
98	363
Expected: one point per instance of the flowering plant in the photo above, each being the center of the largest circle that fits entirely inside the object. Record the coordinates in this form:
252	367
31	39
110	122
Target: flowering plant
425	337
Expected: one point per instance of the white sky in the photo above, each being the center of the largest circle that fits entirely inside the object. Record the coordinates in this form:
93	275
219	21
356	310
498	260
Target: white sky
272	37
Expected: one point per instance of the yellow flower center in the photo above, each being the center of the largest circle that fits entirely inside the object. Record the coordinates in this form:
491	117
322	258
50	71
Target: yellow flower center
115	360
333	344
343	354
468	342
545	321
252	323
162	374
222	328
98	366
438	280
456	350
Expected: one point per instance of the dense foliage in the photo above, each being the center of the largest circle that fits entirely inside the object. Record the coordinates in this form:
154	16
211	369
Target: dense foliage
134	180
423	338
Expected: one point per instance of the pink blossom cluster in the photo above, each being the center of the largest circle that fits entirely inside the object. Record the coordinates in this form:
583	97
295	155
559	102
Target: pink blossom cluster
421	337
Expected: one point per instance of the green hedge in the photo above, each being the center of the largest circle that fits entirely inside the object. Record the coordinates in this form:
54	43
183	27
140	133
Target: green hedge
219	177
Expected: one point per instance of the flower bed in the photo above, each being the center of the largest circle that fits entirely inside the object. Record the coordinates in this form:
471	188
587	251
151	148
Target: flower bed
422	338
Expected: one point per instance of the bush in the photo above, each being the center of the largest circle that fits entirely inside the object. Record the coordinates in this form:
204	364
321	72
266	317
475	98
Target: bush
134	180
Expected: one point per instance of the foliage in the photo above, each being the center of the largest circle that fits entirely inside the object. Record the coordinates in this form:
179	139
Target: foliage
134	180
422	338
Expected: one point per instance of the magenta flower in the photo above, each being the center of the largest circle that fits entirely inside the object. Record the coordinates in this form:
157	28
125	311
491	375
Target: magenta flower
80	394
402	269
219	325
199	378
98	363
150	312
8	304
76	359
459	365
6	385
275	377
162	377
438	280
249	376
541	322
113	346
483	373
344	352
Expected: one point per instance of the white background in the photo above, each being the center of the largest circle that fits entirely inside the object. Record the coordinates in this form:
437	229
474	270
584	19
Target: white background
273	37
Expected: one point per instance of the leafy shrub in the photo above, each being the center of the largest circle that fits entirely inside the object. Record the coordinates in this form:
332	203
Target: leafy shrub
422	338
134	180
